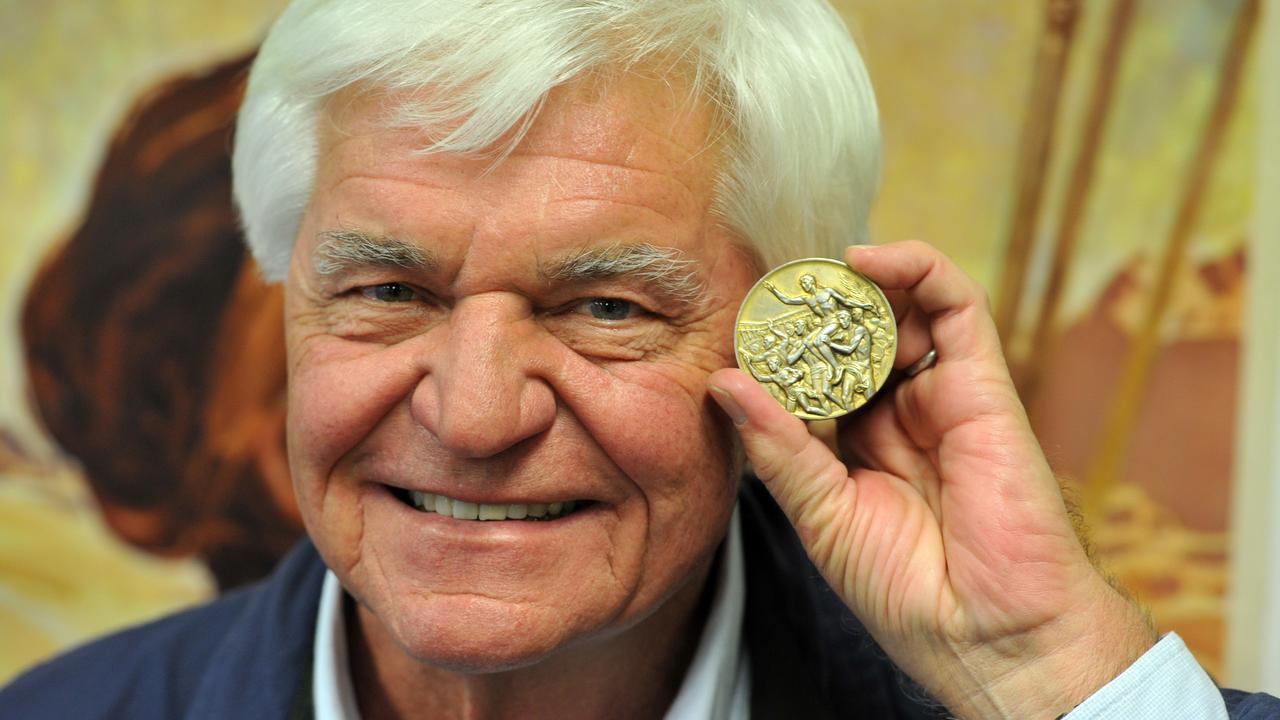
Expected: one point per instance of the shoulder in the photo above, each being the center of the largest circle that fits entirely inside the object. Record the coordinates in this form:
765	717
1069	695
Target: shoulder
1251	706
145	670
246	647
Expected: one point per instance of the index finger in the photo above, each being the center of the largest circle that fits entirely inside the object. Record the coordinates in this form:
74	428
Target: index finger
959	315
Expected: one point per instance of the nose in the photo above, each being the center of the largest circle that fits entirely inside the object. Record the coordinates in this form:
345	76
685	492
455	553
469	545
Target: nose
486	388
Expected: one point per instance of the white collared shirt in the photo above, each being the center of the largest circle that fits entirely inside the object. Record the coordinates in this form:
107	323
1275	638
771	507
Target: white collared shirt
717	685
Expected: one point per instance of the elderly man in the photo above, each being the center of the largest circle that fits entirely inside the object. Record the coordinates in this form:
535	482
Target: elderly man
513	238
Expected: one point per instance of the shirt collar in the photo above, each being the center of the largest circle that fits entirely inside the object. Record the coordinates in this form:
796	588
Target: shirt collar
716	686
332	694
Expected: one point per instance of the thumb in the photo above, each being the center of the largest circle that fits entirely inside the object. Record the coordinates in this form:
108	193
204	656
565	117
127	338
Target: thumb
809	483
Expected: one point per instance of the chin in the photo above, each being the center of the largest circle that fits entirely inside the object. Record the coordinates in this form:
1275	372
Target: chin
479	635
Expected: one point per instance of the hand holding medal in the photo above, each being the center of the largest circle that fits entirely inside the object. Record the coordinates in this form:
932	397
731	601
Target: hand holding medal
940	494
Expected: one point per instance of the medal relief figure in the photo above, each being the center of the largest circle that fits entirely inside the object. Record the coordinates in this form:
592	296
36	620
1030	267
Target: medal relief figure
824	353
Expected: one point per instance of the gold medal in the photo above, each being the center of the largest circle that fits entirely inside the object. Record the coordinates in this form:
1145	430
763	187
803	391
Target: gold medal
818	336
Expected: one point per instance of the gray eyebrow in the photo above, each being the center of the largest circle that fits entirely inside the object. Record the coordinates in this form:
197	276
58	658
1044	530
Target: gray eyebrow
666	268
340	249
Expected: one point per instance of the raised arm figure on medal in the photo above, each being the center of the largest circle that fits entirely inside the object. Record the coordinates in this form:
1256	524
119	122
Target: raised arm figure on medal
821	300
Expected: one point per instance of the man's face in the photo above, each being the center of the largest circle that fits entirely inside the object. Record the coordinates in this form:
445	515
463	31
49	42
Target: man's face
504	351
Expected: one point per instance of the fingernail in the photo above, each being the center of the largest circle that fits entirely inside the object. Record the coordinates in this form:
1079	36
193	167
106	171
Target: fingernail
729	405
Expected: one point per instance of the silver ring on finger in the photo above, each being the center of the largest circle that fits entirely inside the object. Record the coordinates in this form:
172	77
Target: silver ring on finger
929	360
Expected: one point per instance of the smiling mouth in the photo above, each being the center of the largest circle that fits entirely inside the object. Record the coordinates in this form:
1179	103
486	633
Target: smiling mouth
462	510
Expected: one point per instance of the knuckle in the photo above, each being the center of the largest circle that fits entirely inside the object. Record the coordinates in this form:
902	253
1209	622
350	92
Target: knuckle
920	247
982	299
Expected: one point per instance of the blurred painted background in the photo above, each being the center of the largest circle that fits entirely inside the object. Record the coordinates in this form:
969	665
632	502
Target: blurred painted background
1095	163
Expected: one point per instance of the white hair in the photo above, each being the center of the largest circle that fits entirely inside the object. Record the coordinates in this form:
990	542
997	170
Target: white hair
801	140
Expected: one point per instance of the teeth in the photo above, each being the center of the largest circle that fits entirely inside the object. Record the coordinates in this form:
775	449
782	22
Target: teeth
462	510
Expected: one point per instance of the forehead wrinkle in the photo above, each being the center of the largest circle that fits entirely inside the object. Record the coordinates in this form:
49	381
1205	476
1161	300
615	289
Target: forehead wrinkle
691	153
343	249
644	149
611	201
668	270
661	173
420	180
666	196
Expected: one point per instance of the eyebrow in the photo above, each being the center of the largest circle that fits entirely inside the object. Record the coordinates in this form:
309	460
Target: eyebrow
666	269
343	249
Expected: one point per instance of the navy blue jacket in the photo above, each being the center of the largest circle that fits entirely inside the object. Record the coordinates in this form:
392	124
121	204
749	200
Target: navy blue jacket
248	654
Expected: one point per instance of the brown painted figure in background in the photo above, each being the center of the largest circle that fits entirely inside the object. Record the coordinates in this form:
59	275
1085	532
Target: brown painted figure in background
156	354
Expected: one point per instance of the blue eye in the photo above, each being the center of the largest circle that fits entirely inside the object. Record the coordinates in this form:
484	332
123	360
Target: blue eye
390	292
610	308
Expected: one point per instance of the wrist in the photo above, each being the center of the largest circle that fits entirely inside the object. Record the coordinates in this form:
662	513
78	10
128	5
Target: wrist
1046	672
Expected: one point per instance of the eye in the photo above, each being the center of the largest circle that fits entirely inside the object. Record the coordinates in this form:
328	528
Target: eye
610	308
389	292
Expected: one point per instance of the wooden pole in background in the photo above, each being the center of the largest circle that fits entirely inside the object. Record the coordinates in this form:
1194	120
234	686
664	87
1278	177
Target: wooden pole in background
1034	157
1076	203
1117	433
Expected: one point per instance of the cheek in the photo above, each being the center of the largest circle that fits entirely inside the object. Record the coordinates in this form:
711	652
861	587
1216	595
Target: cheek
655	421
338	391
660	429
682	462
